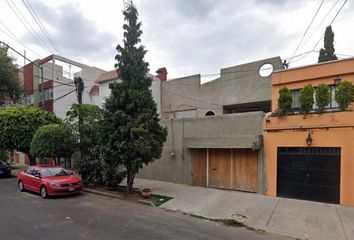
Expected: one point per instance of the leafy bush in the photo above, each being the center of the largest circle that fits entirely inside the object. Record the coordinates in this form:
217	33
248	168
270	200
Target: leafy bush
323	96
91	172
284	101
344	94
53	140
306	98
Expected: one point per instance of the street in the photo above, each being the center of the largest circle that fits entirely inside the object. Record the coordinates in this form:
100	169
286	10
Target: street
87	216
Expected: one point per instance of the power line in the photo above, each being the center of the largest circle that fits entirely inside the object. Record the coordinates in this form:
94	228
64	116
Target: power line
324	18
63	96
15	38
38	40
41	26
340	9
308	27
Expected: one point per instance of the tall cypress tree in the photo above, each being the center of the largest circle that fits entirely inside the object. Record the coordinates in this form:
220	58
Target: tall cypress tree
134	137
327	53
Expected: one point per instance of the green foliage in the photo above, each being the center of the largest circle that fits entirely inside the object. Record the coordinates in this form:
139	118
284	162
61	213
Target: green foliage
53	140
90	167
284	100
323	96
327	53
132	136
18	123
91	115
306	98
91	171
10	87
344	94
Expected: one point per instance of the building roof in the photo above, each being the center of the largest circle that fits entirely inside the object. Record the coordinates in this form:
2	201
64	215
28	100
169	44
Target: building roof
314	64
95	90
107	76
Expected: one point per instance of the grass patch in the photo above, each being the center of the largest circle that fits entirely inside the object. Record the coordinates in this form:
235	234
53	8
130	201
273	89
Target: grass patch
158	200
226	222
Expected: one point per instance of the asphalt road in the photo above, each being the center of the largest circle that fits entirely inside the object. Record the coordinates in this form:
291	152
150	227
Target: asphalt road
88	216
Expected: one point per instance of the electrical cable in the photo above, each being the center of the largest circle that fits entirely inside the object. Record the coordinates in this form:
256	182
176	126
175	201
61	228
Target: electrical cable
323	33
308	27
38	40
322	20
42	28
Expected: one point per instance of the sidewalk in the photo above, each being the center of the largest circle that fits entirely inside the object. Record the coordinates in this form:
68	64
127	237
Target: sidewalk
295	218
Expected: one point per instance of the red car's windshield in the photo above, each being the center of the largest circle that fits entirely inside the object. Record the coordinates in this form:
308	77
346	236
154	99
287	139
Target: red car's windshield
53	172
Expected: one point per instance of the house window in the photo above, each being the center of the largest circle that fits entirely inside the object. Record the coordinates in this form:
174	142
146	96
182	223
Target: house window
333	103
296	99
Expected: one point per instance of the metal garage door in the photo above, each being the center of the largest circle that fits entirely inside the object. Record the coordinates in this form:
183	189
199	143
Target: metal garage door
309	173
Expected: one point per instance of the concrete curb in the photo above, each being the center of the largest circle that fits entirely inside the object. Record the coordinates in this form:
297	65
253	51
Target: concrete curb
112	195
102	193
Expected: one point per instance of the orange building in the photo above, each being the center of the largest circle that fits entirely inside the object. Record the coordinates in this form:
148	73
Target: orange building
311	156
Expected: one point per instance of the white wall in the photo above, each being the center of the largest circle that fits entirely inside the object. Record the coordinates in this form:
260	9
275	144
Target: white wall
104	92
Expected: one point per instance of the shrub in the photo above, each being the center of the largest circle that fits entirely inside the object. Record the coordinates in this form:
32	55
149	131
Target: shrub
284	101
91	172
323	96
344	94
306	98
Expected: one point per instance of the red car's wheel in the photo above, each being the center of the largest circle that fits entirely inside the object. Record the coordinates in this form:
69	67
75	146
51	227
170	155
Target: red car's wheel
20	186
44	192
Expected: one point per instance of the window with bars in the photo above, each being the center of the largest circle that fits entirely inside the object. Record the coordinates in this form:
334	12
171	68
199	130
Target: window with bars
296	100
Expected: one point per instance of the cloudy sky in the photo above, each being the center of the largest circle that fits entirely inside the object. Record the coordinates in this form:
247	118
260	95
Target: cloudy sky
185	36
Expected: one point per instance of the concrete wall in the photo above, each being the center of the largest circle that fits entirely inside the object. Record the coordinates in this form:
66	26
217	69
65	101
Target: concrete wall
227	131
236	85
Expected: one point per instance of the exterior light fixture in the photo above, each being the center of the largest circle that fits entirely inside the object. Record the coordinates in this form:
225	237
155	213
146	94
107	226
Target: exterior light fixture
337	80
309	140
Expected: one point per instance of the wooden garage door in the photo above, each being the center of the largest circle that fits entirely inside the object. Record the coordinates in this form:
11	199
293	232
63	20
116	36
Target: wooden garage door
227	168
309	173
199	167
245	167
220	168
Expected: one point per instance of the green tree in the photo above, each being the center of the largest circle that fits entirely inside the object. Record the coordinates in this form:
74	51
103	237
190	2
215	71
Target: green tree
284	101
327	53
134	137
306	98
323	96
18	123
89	128
89	166
344	94
53	140
10	87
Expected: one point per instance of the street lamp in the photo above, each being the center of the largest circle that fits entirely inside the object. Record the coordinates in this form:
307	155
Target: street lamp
309	140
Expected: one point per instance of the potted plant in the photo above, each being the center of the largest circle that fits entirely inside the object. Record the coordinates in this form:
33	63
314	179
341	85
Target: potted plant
146	192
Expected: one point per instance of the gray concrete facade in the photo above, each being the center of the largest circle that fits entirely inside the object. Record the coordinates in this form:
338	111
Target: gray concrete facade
192	129
236	85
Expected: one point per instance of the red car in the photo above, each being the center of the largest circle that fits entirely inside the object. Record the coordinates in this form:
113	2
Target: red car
48	180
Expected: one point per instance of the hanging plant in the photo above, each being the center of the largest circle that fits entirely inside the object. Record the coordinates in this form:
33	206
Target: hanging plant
323	96
344	94
306	98
284	101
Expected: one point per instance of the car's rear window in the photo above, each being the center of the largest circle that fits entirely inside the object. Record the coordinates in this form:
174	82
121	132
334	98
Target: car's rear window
54	172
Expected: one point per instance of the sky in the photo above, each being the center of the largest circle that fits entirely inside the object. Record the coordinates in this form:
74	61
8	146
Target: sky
187	37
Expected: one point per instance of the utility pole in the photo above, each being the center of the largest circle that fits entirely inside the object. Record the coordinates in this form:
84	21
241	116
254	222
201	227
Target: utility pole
79	83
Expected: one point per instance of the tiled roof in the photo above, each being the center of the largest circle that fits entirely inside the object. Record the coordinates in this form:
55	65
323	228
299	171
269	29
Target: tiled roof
95	90
107	76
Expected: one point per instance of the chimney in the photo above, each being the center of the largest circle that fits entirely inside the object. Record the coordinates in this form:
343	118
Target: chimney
162	74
